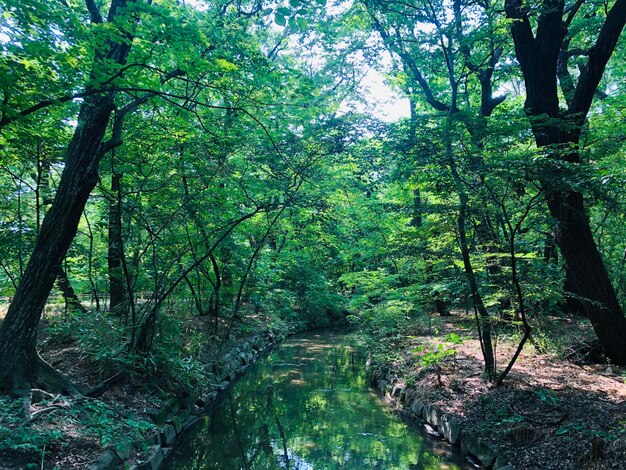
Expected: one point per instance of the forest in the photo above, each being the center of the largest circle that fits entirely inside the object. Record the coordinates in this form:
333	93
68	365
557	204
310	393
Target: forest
179	178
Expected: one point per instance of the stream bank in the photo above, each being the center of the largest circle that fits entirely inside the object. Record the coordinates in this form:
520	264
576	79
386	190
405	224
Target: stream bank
550	413
177	415
135	414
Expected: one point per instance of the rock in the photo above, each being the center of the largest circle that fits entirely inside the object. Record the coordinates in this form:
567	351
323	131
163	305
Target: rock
123	449
416	408
212	396
202	401
483	452
157	415
189	422
108	460
382	385
449	428
177	422
431	415
168	434
153	461
224	385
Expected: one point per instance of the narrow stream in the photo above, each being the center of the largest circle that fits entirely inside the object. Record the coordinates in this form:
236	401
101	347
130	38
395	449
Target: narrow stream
308	406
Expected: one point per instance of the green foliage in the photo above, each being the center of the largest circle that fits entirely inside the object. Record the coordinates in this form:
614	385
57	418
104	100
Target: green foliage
568	428
436	355
90	419
434	358
104	342
15	435
249	192
109	426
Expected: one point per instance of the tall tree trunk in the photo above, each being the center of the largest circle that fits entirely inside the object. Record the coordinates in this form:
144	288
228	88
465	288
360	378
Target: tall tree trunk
587	276
20	364
42	199
19	361
483	317
559	132
118	303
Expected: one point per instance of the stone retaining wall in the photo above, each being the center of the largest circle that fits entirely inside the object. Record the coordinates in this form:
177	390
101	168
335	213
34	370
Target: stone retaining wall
178	414
446	425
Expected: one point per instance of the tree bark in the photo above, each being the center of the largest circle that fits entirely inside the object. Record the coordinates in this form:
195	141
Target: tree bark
72	302
118	304
20	364
587	276
538	55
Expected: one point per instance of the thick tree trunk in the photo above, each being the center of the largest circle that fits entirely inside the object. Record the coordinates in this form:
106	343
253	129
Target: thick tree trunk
19	361
538	54
20	365
587	276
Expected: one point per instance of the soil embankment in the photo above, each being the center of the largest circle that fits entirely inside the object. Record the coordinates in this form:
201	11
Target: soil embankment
552	412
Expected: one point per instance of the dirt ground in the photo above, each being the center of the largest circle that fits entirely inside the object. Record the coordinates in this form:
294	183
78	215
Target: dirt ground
553	411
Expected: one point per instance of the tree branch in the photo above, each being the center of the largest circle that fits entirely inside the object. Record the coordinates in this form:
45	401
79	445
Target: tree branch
94	12
599	55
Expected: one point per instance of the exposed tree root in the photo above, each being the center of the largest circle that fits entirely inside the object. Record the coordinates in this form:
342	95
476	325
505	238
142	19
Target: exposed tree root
103	387
51	380
41	377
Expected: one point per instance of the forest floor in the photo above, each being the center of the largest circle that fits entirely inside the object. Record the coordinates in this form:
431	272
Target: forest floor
560	409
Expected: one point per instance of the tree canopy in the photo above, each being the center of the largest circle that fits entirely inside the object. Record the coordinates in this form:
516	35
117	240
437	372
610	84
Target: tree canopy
176	161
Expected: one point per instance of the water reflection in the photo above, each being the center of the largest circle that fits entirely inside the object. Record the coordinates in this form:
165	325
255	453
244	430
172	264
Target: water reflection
308	406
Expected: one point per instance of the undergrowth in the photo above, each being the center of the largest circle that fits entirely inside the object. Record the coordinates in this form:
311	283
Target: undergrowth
58	422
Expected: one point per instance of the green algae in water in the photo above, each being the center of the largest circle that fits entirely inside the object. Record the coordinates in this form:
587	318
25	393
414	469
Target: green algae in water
308	406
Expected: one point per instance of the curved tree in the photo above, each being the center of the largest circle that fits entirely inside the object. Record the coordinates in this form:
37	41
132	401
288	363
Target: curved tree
20	364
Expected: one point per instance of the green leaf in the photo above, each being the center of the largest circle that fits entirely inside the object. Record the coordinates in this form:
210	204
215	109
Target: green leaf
280	19
302	23
293	23
283	11
294	3
267	11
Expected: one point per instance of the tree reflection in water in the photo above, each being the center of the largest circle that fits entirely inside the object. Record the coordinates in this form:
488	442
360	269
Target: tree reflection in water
308	406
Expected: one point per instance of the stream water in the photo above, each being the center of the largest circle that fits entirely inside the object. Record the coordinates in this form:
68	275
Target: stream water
308	406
